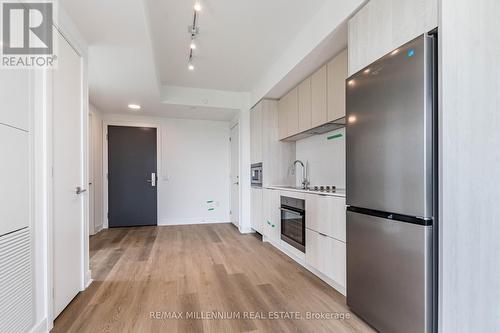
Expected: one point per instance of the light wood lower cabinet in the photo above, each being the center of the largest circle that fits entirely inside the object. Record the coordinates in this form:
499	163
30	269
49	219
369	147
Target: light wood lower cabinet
271	215
256	205
327	255
326	215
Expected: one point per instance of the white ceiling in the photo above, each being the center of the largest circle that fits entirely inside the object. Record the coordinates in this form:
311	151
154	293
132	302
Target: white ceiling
238	40
137	48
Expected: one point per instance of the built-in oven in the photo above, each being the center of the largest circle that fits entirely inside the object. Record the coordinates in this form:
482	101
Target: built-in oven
293	222
256	175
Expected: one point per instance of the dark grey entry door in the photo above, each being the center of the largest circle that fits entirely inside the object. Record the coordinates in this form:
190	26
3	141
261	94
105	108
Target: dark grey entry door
132	177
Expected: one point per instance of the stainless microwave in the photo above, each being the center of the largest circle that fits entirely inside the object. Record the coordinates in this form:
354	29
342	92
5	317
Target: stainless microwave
256	175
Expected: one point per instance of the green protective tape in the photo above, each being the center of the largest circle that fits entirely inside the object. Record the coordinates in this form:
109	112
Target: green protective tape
336	136
210	201
211	209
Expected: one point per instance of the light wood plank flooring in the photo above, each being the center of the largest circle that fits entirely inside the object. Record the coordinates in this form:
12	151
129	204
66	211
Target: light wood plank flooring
201	271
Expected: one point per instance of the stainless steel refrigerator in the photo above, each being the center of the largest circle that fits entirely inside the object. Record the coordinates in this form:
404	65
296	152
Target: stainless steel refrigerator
391	146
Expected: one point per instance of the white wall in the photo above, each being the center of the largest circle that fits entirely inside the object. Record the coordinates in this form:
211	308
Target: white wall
470	161
96	168
325	159
194	169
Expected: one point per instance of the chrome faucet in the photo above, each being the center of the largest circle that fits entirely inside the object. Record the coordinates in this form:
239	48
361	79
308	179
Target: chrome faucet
305	182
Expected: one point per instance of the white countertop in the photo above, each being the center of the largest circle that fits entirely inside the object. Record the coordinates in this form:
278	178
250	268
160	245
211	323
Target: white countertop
337	193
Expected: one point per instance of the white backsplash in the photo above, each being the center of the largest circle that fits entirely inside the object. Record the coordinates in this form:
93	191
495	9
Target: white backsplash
325	159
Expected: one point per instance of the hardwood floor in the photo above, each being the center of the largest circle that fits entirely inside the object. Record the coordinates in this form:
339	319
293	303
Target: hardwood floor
146	278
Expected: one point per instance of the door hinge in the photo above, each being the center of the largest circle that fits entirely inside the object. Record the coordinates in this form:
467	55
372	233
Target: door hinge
230	139
107	136
107	176
230	212
108	215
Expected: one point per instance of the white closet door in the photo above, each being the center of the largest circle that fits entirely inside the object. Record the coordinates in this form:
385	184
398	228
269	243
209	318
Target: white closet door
15	96
14	179
68	164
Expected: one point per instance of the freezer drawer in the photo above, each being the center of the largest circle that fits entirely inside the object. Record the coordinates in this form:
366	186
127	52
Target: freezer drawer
389	135
389	273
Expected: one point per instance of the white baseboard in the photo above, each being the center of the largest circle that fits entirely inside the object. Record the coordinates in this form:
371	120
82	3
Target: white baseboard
189	221
41	327
88	279
244	230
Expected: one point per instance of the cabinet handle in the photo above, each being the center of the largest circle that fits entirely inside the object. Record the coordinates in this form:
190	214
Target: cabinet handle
322	234
273	226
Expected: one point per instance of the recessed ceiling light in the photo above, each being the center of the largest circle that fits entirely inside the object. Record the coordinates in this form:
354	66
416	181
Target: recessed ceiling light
367	71
191	67
351	119
134	107
197	6
351	83
395	52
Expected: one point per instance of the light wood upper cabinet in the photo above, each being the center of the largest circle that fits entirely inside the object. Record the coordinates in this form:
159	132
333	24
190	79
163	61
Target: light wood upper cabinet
282	119
337	74
256	134
318	100
292	105
319	97
383	25
304	97
288	118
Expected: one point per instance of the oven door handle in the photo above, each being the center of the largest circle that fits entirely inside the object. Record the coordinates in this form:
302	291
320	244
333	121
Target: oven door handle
292	211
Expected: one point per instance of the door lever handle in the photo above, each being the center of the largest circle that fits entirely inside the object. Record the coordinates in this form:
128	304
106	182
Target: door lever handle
80	190
152	181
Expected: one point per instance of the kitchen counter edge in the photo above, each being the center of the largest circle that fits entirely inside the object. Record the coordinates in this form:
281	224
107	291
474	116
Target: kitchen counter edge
340	193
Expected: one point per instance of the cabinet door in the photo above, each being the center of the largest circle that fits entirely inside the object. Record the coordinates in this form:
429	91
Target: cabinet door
319	111
326	215
333	261
256	134
337	74
304	97
313	249
292	105
256	213
383	25
282	119
271	216
252	136
327	255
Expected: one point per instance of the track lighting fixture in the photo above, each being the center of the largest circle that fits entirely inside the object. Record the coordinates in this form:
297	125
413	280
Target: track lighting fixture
193	31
